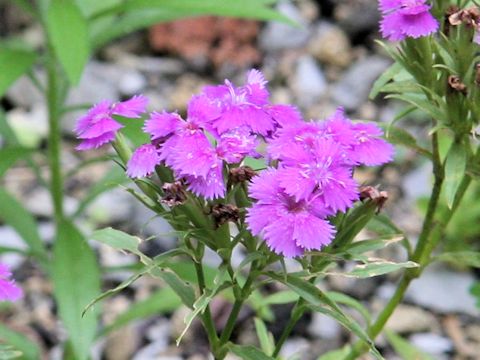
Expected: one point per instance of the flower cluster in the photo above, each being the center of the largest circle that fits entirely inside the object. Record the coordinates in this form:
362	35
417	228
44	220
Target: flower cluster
9	291
310	164
406	18
312	181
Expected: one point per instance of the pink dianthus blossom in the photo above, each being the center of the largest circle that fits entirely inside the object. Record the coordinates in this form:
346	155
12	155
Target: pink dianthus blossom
143	161
406	18
289	227
9	291
98	126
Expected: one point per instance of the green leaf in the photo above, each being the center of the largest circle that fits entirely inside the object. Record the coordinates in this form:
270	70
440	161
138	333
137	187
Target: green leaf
117	239
403	348
475	291
336	354
14	214
202	302
387	75
29	349
420	102
265	337
247	352
399	136
10	156
255	164
377	268
163	301
184	291
68	33
455	165
158	261
351	302
461	258
76	280
363	246
139	14
14	62
8	353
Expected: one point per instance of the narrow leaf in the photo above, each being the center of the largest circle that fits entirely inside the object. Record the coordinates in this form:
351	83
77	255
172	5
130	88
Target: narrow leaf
403	348
455	165
264	336
387	75
377	268
10	155
76	280
247	352
14	63
68	33
461	258
14	214
27	348
117	239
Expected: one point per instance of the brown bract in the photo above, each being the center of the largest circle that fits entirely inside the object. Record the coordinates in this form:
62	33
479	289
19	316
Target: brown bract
373	194
223	213
173	194
456	84
241	174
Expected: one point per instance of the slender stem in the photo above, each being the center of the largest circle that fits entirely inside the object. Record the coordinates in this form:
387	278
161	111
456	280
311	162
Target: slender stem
296	314
54	140
207	319
428	239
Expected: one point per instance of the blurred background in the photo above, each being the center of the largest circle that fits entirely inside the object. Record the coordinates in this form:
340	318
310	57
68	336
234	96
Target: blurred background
330	60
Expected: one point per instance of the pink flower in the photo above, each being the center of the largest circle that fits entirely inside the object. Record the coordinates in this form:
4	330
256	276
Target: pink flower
406	18
98	126
9	291
361	142
143	161
239	106
289	227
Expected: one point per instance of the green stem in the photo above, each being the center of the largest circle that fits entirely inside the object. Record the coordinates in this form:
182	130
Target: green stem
296	314
54	140
237	306
206	317
430	235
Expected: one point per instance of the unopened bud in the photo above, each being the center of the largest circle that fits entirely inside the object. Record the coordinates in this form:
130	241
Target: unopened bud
241	174
173	194
373	194
223	213
456	84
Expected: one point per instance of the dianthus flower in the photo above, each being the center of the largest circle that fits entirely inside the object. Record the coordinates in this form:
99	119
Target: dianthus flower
248	106
98	126
143	161
196	154
9	291
289	227
406	18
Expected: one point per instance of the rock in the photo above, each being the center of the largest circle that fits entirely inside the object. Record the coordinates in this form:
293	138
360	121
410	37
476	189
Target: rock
324	327
277	36
112	206
418	183
132	83
153	225
295	348
354	86
357	15
444	291
309	82
432	343
23	93
407	319
30	127
330	45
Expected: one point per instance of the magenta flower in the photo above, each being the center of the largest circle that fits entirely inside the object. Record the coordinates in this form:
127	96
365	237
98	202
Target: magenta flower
361	142
238	106
289	227
143	161
9	291
98	126
406	18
